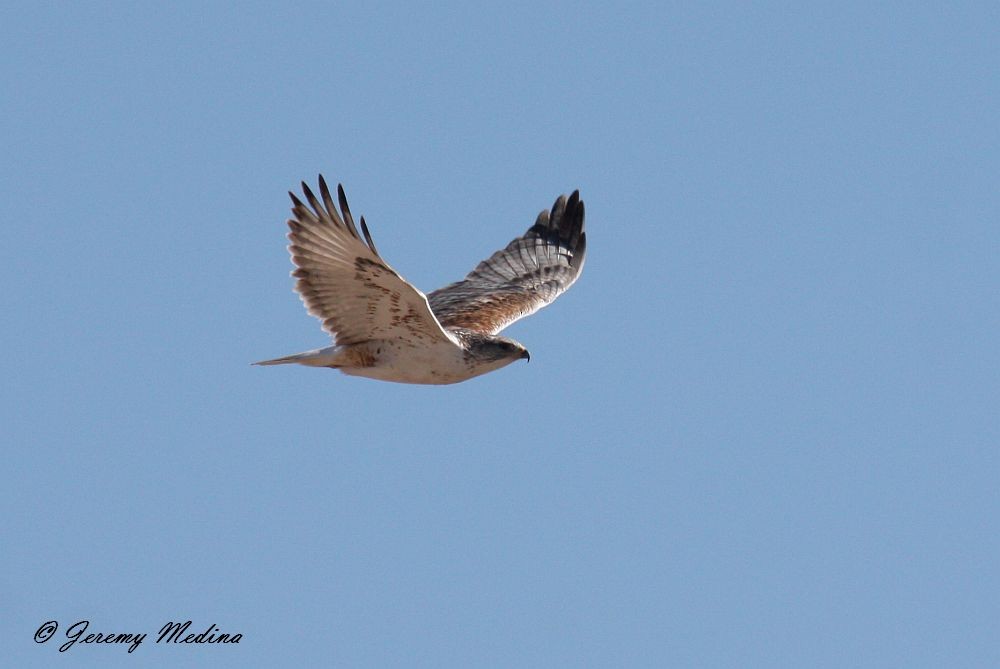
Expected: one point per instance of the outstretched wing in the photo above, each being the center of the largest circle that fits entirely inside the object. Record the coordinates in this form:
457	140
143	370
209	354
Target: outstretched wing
345	283
532	271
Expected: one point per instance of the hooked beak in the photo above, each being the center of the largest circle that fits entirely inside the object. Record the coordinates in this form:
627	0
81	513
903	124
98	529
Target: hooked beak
526	355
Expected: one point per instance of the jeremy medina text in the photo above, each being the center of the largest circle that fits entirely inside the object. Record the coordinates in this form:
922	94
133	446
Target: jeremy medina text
81	632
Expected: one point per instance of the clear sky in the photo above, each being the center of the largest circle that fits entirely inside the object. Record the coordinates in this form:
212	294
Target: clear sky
760	430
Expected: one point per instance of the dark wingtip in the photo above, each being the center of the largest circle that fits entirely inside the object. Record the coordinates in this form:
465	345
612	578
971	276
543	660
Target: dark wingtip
345	211
310	196
579	251
575	205
368	237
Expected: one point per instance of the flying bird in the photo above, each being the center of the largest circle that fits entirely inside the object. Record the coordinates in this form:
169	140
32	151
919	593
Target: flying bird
384	328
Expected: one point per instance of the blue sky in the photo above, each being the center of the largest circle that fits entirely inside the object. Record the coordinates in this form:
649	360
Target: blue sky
761	430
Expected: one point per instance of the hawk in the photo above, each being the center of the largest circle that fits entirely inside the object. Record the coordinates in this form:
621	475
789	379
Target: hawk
384	328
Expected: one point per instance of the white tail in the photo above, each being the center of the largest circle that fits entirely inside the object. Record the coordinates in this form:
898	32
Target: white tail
320	357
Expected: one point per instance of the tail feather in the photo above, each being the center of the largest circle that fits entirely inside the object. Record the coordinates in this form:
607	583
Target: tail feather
320	357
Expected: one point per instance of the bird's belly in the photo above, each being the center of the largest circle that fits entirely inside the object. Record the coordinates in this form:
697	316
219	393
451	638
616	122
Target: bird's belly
435	365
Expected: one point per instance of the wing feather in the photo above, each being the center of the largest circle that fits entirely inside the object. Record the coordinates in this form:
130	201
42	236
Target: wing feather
345	283
518	280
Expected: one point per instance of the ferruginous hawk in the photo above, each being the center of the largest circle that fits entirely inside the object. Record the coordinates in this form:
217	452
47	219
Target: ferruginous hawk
384	328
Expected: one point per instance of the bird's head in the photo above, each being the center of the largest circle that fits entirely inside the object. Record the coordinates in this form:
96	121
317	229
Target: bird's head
508	348
492	349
